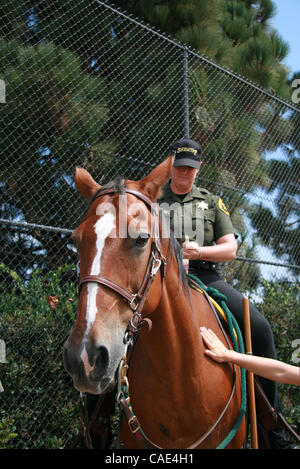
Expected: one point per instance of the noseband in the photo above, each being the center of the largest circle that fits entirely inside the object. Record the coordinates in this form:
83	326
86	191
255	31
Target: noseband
156	262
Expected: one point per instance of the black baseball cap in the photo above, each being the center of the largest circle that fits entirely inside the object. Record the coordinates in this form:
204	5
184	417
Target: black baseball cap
187	153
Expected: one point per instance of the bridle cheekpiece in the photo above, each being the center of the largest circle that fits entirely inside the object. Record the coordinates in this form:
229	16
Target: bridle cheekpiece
156	262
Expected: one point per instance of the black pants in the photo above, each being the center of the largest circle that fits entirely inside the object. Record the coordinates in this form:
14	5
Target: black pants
261	332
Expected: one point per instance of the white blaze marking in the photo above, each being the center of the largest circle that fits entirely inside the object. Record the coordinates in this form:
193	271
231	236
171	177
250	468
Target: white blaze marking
85	359
103	228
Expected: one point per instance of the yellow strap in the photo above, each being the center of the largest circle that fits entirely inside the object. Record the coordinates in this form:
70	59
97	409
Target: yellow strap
218	307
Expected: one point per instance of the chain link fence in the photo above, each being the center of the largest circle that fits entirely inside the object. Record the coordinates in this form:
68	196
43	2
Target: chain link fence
84	84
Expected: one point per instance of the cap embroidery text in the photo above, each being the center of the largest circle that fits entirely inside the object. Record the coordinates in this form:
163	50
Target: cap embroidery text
191	150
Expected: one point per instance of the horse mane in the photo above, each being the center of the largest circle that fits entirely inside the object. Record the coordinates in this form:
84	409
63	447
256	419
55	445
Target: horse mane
175	248
118	184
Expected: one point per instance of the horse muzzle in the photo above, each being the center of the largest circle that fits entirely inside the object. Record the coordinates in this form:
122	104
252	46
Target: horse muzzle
93	370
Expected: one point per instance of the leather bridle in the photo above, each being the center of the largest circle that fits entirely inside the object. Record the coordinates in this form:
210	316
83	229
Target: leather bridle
156	262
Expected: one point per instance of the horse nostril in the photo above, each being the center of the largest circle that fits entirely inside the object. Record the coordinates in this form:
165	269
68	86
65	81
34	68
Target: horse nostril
102	359
101	363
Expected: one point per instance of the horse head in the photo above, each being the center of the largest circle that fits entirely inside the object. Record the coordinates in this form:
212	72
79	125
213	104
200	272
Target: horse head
120	252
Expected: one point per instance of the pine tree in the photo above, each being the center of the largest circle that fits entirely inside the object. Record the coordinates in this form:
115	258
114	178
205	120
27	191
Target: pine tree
88	87
235	33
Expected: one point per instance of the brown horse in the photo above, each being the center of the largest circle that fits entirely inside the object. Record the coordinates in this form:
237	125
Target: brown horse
128	272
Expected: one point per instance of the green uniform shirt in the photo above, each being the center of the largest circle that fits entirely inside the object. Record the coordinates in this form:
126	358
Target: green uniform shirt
200	215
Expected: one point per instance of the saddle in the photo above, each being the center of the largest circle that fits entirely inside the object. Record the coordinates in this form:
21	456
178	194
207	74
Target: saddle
268	419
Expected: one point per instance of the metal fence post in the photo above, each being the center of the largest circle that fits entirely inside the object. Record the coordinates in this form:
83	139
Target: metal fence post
185	95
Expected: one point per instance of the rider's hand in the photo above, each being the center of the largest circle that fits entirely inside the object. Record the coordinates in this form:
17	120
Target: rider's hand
191	250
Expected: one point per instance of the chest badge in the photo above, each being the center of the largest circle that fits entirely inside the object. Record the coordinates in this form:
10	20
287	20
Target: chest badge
203	205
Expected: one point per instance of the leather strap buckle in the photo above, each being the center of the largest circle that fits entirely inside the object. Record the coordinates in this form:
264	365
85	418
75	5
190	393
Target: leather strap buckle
134	424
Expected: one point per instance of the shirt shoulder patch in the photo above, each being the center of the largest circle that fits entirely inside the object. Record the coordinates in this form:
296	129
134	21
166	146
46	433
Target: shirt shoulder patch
222	206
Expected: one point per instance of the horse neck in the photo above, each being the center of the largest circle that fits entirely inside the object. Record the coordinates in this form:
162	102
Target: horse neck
175	335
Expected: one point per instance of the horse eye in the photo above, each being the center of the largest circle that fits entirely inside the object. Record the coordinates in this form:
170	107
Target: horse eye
142	240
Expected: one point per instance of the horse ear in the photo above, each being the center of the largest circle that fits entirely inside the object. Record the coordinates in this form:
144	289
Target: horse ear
153	183
85	184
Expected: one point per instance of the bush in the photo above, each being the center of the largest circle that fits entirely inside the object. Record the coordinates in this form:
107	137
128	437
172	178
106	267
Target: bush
281	307
39	406
6	430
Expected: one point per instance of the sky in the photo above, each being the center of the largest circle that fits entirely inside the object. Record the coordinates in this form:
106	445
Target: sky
287	22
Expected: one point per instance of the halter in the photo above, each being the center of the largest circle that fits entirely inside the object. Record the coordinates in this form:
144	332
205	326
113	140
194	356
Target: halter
156	262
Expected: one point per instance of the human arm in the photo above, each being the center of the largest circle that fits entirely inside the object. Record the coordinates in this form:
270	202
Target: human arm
265	367
224	250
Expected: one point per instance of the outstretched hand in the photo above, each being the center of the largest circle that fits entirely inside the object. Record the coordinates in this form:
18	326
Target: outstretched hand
216	349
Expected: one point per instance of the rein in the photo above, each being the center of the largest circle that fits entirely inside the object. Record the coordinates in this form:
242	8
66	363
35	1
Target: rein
123	398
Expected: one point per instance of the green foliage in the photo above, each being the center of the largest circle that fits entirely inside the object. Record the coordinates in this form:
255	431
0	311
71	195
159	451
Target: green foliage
238	34
281	307
39	407
235	33
88	86
7	430
56	114
47	85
